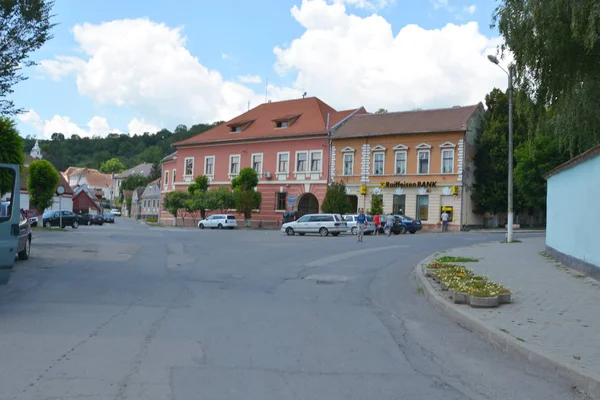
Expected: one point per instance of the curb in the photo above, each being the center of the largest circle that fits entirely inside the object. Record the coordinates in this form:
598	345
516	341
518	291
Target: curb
509	345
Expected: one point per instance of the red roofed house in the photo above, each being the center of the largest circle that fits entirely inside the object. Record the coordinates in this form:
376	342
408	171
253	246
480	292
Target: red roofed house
285	142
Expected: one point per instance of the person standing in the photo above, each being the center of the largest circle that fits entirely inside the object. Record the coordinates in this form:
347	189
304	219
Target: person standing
377	223
389	224
361	222
445	217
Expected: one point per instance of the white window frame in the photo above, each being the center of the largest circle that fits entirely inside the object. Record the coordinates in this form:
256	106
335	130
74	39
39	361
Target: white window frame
185	161
206	164
428	152
239	165
310	161
306	162
173	177
396	161
383	169
442	161
279	154
166	178
282	123
262	158
344	163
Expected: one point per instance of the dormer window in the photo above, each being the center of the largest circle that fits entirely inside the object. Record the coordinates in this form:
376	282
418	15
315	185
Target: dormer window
285	121
239	126
236	129
281	124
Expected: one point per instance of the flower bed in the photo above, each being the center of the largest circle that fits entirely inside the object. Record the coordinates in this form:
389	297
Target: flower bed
466	287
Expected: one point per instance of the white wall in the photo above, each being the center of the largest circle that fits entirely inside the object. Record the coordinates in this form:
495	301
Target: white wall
573	211
65	205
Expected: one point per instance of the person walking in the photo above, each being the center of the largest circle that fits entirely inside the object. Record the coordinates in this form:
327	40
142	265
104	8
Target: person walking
445	217
377	223
361	223
389	223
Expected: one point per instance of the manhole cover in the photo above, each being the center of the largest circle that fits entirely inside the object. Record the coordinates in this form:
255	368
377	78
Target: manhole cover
327	278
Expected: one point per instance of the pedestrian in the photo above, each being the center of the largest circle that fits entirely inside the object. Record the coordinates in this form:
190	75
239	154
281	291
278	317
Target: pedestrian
361	222
377	223
389	224
445	217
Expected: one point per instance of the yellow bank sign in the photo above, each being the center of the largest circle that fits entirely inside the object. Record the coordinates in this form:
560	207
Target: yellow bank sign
397	184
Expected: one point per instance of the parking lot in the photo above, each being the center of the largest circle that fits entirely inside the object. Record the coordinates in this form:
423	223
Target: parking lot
127	311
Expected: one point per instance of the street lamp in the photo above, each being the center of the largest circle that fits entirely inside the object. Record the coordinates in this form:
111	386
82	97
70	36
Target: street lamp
509	228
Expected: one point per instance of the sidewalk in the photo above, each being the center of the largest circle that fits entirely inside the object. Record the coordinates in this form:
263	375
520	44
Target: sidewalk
553	319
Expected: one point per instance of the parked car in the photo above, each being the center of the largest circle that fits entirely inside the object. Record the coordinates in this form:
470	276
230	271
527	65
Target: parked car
53	218
289	216
24	246
410	224
323	224
397	228
219	221
116	212
84	219
351	221
96	219
109	218
32	217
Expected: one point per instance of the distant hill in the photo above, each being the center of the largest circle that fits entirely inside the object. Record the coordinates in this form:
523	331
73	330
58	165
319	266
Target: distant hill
64	152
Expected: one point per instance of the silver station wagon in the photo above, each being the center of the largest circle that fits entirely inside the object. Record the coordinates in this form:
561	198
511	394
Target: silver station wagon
323	224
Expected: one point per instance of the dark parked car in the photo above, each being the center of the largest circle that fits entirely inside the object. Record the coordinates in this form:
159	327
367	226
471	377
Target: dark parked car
109	218
398	227
410	224
53	218
96	219
84	219
24	246
32	216
289	216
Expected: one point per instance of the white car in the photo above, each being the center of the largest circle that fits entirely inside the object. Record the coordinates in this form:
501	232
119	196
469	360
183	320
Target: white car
351	221
116	212
323	224
219	221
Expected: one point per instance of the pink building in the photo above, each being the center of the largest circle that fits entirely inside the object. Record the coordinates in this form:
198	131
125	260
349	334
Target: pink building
286	142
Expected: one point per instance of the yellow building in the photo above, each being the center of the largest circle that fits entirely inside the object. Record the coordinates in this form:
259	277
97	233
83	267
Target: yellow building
419	162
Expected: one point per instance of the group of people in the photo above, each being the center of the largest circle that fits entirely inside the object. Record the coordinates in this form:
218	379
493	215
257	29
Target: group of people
361	223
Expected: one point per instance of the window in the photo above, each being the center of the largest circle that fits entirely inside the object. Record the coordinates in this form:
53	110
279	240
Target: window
282	124
422	207
447	161
423	160
189	166
283	162
166	178
174	177
234	164
378	161
315	161
280	203
305	218
398	203
301	159
400	163
257	163
235	129
209	165
348	163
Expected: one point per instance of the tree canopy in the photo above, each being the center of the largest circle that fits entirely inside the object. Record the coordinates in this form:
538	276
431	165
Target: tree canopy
11	151
336	200
24	27
112	166
245	196
42	181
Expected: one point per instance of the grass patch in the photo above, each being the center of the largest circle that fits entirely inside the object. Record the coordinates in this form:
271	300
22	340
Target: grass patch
505	331
513	241
579	276
460	279
521	339
456	259
577	357
419	290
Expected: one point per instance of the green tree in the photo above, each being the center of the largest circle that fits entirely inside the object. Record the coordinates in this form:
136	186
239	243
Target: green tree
112	166
194	204
244	194
198	191
220	199
24	27
155	171
381	111
42	181
134	181
175	201
11	151
201	184
556	47
376	204
336	200
152	154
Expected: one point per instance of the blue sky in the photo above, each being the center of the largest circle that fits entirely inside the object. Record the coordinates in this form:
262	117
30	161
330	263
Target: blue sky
126	68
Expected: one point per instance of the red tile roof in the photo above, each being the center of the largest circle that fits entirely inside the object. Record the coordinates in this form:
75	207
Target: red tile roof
421	121
315	117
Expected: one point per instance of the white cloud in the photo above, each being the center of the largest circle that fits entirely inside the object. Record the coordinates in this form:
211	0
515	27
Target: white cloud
140	126
32	119
369	4
348	61
250	79
441	4
470	9
61	66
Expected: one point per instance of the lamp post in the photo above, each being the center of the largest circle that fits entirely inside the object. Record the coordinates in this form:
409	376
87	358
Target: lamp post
509	228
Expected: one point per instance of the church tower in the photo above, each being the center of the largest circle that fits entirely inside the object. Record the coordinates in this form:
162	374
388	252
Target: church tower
36	152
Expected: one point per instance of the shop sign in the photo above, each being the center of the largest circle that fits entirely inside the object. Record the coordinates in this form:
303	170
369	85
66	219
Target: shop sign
398	184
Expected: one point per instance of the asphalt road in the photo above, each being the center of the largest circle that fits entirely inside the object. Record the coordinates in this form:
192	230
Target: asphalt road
133	312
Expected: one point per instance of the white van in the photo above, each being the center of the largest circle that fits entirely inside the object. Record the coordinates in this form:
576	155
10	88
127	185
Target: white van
219	221
323	224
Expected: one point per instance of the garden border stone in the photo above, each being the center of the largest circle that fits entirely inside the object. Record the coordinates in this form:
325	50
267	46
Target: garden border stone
500	340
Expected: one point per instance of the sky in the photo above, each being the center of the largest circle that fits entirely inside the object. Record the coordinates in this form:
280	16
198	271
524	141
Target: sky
139	66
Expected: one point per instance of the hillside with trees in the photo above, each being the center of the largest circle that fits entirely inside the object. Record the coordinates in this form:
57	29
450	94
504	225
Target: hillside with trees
64	152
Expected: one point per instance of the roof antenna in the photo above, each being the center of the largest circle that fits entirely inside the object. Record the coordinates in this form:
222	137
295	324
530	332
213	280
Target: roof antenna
304	95
266	89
